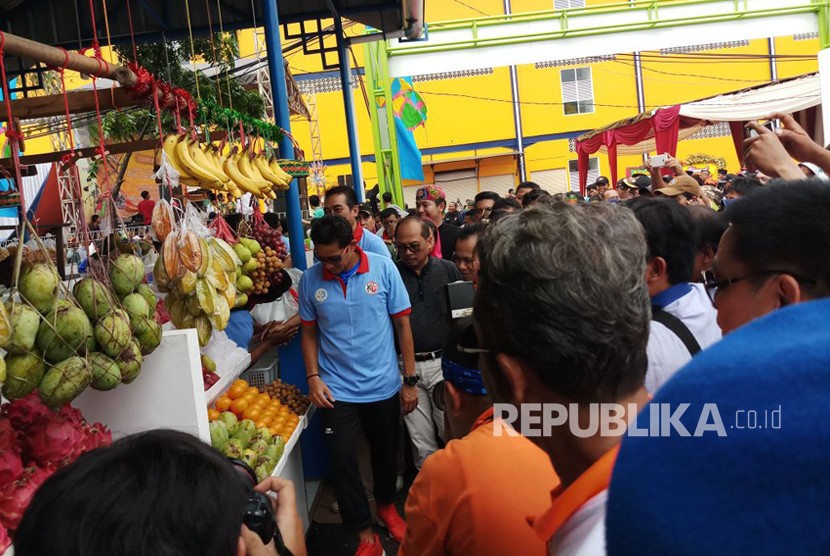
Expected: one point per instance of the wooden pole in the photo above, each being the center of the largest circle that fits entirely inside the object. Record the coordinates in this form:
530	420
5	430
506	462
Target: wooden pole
79	103
59	58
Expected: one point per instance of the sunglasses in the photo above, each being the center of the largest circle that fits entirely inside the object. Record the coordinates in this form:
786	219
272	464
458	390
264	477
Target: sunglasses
404	247
714	284
336	259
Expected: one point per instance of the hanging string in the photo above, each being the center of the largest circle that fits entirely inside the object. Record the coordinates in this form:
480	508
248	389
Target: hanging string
107	29
97	49
192	50
14	135
222	34
213	51
132	33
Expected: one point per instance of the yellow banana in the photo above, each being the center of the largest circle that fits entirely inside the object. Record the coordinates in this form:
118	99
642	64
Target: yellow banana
213	159
241	181
193	168
244	164
201	160
169	146
285	176
262	166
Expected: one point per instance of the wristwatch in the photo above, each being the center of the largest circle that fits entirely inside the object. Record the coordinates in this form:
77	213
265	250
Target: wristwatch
411	380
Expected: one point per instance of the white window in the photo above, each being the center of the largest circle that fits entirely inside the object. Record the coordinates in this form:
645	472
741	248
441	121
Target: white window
573	171
577	91
565	4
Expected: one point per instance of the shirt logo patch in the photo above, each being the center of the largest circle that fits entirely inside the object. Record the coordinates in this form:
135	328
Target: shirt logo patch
372	288
321	295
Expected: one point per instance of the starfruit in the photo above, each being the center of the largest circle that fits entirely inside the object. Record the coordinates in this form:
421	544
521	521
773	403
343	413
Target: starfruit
207	257
218	277
230	294
176	309
219	318
204	330
163	219
172	264
225	254
187	283
160	275
192	305
190	253
207	296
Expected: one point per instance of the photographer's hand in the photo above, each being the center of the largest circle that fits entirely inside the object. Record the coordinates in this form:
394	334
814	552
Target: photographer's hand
253	544
285	510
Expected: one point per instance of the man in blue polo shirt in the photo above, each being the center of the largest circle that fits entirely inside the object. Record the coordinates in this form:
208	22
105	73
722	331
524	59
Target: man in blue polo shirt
341	200
350	302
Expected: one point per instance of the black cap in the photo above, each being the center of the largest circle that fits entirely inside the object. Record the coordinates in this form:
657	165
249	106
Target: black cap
365	207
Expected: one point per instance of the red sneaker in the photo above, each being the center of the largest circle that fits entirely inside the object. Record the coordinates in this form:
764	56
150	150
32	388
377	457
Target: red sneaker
388	517
370	549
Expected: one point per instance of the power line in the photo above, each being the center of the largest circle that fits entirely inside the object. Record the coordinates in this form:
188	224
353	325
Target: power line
472	8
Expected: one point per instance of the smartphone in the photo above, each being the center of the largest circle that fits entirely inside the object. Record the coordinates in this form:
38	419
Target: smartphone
658	161
769	124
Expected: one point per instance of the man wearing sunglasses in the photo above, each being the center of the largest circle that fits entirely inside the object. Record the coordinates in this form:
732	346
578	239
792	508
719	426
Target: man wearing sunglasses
342	201
425	278
774	253
484	201
352	305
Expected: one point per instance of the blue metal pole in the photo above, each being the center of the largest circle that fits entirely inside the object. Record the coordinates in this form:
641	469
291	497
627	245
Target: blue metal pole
282	117
348	103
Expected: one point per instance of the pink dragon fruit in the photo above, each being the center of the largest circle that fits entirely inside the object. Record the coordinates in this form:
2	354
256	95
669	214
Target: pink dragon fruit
97	436
8	436
15	497
53	441
25	411
11	468
5	541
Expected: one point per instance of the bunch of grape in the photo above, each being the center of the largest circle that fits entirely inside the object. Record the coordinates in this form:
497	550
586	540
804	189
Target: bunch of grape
269	237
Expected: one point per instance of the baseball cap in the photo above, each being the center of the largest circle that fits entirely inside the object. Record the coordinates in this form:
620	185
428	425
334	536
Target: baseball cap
817	172
679	185
364	207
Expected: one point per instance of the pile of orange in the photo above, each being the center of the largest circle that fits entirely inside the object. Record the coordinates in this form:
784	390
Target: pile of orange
247	402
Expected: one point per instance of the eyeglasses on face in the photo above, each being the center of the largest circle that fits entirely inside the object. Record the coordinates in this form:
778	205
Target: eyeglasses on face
404	247
482	211
336	259
469	261
714	284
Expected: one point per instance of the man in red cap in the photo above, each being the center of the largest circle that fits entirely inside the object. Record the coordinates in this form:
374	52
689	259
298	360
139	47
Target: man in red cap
431	202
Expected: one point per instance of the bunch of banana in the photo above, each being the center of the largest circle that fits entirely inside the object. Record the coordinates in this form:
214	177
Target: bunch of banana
237	173
201	298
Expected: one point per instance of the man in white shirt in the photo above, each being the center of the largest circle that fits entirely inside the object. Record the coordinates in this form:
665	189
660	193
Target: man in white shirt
684	321
243	205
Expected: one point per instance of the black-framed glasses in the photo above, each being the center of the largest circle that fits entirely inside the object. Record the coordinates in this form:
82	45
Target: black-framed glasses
713	284
404	247
469	261
332	260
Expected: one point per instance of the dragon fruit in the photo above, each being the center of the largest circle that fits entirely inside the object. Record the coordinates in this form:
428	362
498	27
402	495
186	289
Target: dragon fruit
5	541
15	497
25	411
8	436
11	467
53	441
97	436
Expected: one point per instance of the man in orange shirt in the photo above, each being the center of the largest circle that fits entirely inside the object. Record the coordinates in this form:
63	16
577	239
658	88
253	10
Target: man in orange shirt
562	307
474	496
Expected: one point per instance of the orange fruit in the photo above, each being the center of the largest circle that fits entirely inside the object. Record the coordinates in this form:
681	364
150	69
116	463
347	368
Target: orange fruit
264	397
253	390
252	412
239	406
274	430
223	403
213	414
264	421
243	382
236	391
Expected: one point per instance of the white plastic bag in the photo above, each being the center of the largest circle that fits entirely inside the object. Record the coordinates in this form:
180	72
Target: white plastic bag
284	307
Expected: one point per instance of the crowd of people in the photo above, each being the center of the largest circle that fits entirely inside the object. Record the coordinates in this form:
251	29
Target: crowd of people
669	291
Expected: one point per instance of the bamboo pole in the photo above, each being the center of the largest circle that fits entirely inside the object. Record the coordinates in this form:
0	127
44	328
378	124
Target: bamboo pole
59	58
79	102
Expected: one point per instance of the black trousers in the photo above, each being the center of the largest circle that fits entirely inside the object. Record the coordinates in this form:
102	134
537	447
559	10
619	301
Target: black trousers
380	422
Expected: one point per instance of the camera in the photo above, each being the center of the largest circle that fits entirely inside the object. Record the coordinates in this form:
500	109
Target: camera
258	514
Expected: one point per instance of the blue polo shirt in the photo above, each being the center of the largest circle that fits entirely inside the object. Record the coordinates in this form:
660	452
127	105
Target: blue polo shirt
356	343
371	243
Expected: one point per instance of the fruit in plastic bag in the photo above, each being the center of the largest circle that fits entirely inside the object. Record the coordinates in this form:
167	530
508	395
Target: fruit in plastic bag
38	285
170	259
63	382
23	374
126	273
190	252
163	220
